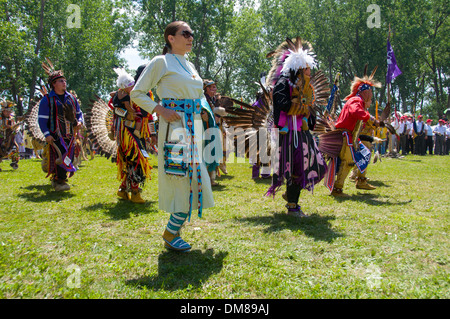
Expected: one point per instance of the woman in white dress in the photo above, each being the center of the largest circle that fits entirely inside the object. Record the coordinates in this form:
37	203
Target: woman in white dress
180	89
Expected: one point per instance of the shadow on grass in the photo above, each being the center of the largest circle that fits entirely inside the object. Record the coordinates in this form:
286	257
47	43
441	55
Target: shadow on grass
123	209
219	188
178	271
371	199
267	181
221	182
315	226
406	159
43	193
379	184
224	177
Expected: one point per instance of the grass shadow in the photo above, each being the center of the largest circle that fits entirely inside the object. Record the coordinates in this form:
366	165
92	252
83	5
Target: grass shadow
412	160
371	199
267	181
224	177
315	226
43	193
379	184
123	209
219	188
178	271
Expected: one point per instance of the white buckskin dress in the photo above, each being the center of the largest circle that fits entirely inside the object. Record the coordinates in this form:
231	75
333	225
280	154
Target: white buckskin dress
174	78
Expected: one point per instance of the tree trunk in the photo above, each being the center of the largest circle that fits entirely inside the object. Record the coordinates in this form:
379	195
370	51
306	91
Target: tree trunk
36	63
435	79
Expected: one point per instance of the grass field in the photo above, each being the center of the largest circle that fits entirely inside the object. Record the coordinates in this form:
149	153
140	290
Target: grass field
85	243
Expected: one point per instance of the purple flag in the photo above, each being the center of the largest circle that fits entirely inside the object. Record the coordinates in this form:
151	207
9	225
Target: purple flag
393	71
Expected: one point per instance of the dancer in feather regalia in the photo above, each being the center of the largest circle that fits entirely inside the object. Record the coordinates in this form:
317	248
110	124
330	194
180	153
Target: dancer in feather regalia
340	139
132	126
8	130
59	119
297	97
123	133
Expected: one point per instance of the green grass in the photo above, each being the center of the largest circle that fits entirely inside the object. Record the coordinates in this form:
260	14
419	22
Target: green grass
388	243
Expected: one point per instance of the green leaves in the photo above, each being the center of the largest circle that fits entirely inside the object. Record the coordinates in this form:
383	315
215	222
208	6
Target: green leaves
86	51
231	41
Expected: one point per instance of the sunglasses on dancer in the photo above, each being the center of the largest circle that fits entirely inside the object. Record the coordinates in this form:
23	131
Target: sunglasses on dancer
187	34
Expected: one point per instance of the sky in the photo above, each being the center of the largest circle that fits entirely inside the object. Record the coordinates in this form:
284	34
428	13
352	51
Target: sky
133	58
132	55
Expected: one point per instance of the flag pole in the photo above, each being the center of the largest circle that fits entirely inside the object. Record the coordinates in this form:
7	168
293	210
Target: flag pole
389	84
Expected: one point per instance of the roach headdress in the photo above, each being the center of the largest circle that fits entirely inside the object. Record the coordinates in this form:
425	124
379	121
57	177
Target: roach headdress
361	84
51	72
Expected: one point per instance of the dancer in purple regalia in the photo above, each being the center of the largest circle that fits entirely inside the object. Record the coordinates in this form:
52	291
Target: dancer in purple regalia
296	98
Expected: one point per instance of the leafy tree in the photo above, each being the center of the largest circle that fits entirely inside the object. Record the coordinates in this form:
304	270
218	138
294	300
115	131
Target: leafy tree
232	39
86	52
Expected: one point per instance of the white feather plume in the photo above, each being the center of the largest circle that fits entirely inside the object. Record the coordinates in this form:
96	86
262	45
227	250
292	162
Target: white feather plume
298	60
124	80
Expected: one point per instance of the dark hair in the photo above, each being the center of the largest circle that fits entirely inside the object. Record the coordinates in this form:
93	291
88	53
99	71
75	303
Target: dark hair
139	71
171	29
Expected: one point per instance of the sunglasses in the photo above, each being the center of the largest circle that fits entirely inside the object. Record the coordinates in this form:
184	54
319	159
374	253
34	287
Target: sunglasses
187	34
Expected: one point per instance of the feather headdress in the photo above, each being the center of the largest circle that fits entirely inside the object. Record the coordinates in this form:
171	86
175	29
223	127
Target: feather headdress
7	105
298	60
364	83
289	58
51	72
124	79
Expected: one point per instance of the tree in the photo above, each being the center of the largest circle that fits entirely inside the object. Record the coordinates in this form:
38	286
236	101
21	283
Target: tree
87	52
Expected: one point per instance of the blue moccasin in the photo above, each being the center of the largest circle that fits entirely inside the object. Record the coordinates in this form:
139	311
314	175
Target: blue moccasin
175	242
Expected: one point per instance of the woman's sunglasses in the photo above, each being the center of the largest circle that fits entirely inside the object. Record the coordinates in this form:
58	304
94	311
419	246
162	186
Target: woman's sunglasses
187	34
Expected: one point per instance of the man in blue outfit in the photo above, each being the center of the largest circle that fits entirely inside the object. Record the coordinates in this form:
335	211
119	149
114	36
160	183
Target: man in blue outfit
59	119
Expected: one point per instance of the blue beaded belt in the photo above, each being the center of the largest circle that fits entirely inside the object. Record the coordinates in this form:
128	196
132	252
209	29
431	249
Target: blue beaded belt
190	107
183	105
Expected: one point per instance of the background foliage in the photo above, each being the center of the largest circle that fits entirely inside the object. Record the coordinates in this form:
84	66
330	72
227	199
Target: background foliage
232	40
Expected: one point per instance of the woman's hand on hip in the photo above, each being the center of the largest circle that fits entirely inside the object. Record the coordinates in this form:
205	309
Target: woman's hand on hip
167	114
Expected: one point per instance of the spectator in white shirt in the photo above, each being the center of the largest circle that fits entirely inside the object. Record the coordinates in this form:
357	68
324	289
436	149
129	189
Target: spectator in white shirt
403	129
440	131
429	137
410	140
393	142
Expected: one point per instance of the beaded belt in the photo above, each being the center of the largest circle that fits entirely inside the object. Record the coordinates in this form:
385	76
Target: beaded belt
183	105
190	107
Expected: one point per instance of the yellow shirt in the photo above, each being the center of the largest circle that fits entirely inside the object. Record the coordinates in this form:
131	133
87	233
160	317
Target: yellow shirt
381	132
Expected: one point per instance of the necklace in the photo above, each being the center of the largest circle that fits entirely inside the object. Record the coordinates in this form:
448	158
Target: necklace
193	75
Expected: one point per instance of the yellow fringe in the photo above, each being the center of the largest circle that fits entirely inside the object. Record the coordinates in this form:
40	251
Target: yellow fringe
129	147
145	132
